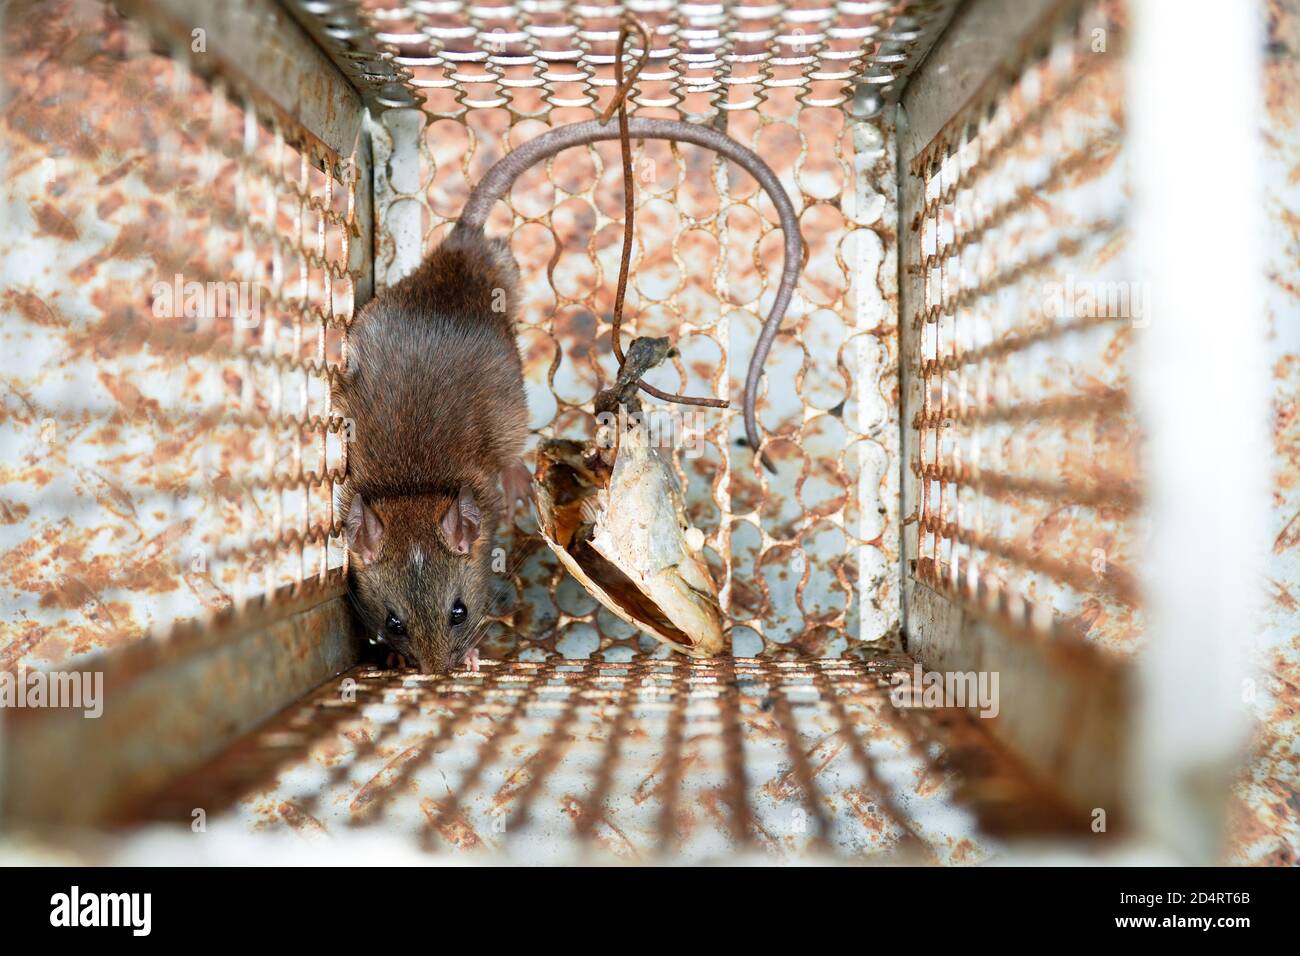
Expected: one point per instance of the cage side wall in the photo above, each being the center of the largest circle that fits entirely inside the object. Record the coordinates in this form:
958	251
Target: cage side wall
1020	472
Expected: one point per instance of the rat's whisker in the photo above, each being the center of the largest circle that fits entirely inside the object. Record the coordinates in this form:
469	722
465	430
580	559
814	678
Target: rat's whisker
480	632
362	613
519	558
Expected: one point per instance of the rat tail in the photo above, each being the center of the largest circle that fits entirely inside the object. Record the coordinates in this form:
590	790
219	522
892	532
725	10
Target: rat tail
506	170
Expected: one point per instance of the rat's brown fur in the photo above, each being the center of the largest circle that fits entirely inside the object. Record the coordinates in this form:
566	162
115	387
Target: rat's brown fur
435	395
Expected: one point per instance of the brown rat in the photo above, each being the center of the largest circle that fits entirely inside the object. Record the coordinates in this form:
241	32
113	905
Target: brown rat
435	392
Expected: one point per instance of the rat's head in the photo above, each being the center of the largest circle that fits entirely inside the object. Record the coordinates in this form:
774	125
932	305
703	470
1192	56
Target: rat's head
420	574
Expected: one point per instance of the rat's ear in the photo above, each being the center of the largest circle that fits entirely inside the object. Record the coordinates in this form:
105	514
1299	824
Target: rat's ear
461	522
365	532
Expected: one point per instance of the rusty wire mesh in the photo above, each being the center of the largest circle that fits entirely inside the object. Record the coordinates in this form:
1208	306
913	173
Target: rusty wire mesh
706	58
166	457
807	557
1265	824
1027	461
690	759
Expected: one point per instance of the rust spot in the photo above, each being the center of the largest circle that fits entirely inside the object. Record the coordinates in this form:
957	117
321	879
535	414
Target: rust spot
300	821
1289	536
13	512
51	222
455	830
609	837
786	787
384	779
118	171
109	205
68	592
33	308
865	807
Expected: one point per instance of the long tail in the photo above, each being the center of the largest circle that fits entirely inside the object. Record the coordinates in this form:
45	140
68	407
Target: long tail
502	175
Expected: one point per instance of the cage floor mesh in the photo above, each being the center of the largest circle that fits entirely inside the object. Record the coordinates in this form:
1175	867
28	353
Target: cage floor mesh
638	761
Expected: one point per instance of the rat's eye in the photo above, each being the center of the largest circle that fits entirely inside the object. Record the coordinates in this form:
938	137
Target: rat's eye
458	614
394	626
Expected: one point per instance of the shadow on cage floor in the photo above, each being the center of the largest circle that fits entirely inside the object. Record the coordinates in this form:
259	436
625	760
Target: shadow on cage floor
679	760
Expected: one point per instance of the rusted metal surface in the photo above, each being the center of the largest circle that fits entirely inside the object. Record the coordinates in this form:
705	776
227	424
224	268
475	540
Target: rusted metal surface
806	558
1019	444
1025	451
1023	443
257	47
642	761
707	58
162	466
168	706
1265	816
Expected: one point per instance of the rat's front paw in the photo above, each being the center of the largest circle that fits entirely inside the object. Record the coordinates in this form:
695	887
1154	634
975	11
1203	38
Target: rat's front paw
471	661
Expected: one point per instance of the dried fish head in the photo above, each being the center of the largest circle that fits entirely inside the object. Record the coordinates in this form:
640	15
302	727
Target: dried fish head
624	535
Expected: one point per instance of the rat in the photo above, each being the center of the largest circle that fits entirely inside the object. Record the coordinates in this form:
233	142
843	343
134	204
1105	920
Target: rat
434	388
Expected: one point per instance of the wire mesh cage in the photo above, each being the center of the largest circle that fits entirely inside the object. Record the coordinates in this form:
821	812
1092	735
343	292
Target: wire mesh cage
203	200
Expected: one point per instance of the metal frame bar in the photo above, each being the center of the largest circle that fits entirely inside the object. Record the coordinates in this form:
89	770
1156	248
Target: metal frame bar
263	49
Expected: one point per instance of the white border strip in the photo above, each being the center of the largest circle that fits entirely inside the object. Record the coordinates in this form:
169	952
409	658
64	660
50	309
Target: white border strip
1194	99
